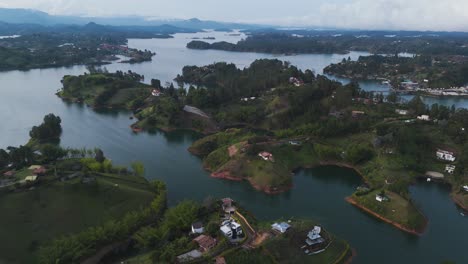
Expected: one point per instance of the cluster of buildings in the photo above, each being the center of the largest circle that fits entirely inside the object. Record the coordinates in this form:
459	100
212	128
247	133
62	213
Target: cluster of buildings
34	170
445	155
296	81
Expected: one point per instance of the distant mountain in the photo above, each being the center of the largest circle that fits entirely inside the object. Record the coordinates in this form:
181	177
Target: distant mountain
28	16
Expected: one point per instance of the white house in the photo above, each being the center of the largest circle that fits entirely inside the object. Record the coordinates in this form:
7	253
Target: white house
465	187
281	227
314	237
424	118
380	198
445	155
450	168
401	111
231	227
197	228
266	156
226	230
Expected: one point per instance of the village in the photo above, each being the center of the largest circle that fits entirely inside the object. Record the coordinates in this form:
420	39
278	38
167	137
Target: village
236	233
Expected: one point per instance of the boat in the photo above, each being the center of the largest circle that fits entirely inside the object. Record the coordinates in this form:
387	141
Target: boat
428	179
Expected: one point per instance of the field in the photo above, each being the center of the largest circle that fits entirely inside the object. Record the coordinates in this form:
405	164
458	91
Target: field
31	218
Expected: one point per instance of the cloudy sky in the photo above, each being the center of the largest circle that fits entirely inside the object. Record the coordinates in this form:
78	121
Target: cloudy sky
365	14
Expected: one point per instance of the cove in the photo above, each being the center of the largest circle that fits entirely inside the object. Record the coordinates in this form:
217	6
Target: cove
25	97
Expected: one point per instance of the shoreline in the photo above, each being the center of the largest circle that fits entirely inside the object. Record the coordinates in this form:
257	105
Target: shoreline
459	203
350	200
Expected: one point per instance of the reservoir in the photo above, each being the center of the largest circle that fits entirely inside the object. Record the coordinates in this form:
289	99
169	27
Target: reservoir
25	97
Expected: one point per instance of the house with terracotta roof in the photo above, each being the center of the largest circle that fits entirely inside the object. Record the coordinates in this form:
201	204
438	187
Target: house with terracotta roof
9	174
205	242
266	156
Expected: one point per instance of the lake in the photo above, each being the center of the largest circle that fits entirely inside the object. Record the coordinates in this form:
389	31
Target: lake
25	97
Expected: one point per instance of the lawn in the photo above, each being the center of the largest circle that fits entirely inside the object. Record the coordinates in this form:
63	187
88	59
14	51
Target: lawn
30	218
286	248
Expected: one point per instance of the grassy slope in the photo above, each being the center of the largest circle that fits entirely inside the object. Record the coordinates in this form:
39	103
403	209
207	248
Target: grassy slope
30	218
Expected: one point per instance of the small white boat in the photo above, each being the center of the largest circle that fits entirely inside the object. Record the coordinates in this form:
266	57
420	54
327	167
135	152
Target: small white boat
462	214
428	179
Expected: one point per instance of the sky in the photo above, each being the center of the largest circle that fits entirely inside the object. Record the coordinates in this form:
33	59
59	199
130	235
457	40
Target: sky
446	15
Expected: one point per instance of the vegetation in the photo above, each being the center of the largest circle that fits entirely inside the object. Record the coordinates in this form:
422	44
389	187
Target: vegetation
51	49
427	71
376	42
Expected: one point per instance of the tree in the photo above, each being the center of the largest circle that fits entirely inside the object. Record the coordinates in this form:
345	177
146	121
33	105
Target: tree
359	153
99	155
156	83
4	158
138	168
52	152
50	129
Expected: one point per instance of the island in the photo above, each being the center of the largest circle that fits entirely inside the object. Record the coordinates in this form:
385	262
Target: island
271	119
421	74
66	205
53	49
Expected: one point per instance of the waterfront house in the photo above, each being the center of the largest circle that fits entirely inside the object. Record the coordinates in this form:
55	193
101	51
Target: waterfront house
314	237
381	198
205	242
227	206
280	227
445	155
266	156
450	168
231	229
424	118
401	111
197	228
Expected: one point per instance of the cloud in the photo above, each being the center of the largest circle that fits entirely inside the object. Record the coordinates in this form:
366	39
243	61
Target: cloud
448	15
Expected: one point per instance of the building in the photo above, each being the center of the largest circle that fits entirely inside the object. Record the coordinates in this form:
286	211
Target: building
156	92
220	260
465	187
435	175
231	229
401	111
314	237
227	206
205	242
296	81
9	174
381	198
445	155
281	227
41	170
424	118
450	168
266	156
31	178
197	228
356	114
295	143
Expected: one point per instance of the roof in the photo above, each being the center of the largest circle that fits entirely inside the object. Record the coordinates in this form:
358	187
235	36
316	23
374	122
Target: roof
434	174
30	178
282	227
205	241
225	229
9	173
265	154
33	167
220	260
197	225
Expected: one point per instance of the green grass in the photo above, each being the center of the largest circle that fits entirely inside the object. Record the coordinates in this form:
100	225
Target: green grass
31	218
397	209
125	96
286	248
